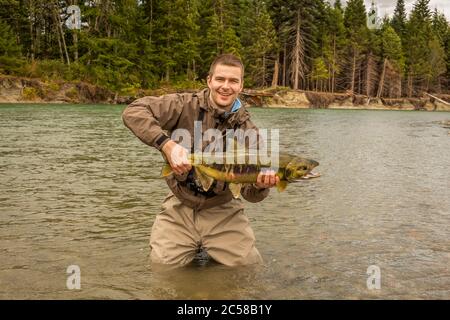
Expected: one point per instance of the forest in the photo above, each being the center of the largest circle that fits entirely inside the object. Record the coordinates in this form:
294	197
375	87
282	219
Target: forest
314	45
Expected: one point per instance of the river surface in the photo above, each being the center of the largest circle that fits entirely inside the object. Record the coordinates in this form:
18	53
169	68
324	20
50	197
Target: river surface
77	188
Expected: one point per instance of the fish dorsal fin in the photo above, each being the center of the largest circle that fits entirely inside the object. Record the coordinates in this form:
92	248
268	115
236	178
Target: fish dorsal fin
204	180
281	186
166	170
235	189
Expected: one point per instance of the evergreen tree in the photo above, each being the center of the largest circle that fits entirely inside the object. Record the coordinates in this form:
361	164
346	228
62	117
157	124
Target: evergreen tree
440	26
436	64
10	51
399	19
258	38
334	42
218	32
417	47
393	62
319	73
297	24
338	5
355	21
392	48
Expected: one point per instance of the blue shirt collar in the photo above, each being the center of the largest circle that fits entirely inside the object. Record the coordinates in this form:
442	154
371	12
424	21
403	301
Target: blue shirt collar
236	106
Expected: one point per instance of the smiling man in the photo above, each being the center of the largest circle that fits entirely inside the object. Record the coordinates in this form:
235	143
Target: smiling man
225	83
193	220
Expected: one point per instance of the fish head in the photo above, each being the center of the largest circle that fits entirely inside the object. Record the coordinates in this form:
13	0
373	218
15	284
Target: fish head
298	168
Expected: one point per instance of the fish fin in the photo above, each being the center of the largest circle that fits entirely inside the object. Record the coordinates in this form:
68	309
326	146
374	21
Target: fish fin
204	180
235	189
281	186
166	170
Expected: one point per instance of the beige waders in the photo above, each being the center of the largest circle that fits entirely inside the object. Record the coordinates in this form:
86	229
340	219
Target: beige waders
222	231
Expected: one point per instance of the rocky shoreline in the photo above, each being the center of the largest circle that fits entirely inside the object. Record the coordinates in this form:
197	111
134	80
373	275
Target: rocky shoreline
321	100
28	90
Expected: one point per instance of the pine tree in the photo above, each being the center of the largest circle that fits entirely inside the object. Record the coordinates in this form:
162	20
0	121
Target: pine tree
176	38
355	21
319	73
417	47
338	5
440	26
297	23
436	64
398	21
334	42
392	48
10	51
218	32
259	42
393	63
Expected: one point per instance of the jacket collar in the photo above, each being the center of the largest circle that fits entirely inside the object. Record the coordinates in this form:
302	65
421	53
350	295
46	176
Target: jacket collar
238	117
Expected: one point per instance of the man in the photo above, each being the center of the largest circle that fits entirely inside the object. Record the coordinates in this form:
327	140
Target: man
193	219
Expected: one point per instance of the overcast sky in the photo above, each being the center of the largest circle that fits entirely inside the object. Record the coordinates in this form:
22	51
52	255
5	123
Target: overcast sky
388	6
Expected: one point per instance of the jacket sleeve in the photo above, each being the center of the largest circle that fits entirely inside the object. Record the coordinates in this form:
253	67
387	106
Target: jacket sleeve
252	194
148	117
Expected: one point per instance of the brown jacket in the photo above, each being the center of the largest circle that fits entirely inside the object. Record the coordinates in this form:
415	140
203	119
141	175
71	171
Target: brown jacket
152	119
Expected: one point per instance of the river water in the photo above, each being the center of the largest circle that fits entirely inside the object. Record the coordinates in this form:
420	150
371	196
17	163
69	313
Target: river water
77	188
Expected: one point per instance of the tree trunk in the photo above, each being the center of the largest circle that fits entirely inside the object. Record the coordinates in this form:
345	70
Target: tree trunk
333	67
381	85
284	66
298	55
167	77
151	22
58	37
59	22
75	44
264	71
410	85
276	71
352	83
31	19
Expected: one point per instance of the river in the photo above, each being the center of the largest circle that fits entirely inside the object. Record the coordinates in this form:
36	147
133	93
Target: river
77	188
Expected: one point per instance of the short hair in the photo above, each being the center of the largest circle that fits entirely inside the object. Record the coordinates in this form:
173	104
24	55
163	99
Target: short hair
227	59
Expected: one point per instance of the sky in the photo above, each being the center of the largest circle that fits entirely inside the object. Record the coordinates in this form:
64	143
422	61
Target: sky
388	6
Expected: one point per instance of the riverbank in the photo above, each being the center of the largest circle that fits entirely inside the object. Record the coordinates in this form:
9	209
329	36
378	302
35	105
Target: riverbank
32	90
297	99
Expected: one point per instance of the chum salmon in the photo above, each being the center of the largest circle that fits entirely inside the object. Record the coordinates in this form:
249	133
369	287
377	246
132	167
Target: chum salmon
237	173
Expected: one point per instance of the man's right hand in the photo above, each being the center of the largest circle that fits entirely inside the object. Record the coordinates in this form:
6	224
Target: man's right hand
177	156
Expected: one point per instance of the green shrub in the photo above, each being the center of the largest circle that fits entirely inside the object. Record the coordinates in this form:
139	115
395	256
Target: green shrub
49	69
30	93
72	93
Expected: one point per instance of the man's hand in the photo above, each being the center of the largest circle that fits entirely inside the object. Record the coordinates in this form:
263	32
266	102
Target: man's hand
177	156
266	179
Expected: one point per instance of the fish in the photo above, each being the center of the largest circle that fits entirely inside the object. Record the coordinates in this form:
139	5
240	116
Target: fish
290	169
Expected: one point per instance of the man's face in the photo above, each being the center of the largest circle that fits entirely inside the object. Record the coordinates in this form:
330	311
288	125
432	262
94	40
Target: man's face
225	85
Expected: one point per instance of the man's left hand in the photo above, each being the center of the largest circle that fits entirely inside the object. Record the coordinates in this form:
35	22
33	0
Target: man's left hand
267	179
